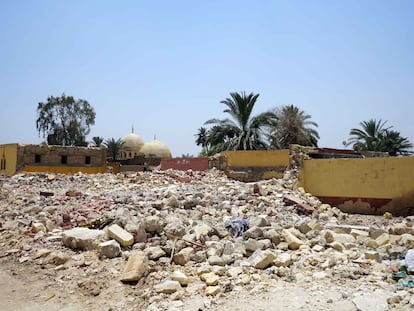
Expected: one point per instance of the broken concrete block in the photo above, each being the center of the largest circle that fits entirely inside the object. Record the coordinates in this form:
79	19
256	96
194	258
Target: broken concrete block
109	249
82	238
212	290
292	241
135	268
210	278
283	260
261	259
168	287
119	234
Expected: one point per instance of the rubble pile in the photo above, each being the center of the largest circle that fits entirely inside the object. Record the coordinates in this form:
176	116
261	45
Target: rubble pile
155	239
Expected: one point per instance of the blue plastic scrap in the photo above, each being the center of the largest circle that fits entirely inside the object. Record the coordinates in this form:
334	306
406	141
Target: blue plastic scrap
236	226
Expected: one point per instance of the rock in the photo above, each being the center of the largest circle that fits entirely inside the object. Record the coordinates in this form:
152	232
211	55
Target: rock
261	259
82	238
122	236
168	287
180	277
373	255
376	301
202	230
283	260
153	224
252	245
175	228
154	252
236	247
382	239
356	233
212	290
254	233
399	229
210	278
137	230
259	221
272	235
375	232
38	227
337	246
58	258
292	241
303	226
135	268
41	253
183	256
216	261
109	249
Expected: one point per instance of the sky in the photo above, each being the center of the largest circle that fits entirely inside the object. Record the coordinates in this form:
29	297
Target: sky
164	66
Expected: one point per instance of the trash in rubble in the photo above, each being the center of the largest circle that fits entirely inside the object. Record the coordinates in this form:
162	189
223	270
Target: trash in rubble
236	226
409	261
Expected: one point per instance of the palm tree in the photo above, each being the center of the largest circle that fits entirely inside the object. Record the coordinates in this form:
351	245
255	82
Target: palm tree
293	127
374	136
114	147
201	140
244	131
97	141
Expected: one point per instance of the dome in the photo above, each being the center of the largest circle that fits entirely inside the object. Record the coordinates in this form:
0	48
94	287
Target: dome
132	145
157	149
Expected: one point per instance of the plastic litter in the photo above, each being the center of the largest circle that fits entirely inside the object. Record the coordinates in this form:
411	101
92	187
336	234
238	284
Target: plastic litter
236	226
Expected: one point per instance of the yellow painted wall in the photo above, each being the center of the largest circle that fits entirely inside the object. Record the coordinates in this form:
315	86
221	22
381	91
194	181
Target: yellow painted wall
377	178
257	158
65	169
10	154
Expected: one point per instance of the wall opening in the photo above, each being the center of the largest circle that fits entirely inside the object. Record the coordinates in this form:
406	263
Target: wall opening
64	159
37	158
88	160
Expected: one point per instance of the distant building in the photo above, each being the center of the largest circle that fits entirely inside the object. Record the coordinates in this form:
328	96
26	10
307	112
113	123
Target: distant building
47	158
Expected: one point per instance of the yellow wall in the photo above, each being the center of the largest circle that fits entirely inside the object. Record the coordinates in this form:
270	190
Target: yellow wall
10	154
257	158
64	169
368	178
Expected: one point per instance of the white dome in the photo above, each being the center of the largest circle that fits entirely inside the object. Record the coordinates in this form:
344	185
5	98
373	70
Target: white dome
157	149
132	145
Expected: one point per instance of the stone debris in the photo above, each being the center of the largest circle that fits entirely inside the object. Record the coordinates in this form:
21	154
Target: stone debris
123	237
135	268
207	236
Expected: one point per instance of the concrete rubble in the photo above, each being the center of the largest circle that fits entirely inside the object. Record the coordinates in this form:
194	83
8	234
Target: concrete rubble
160	238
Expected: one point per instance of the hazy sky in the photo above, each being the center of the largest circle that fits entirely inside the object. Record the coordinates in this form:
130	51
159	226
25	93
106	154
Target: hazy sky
164	66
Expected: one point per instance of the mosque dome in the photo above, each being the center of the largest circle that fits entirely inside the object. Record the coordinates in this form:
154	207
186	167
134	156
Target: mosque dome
157	149
132	145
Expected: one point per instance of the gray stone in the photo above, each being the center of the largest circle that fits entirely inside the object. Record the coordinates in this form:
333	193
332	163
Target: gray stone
216	261
175	228
293	241
153	224
82	238
252	245
109	249
254	233
154	252
283	260
259	221
183	256
137	229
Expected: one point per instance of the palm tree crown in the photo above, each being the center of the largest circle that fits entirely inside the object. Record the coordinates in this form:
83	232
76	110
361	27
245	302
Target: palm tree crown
114	147
374	136
243	131
293	127
97	141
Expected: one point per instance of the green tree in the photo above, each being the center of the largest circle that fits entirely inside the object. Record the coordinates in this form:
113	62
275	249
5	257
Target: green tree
293	126
375	136
243	131
64	120
114	147
97	141
201	140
